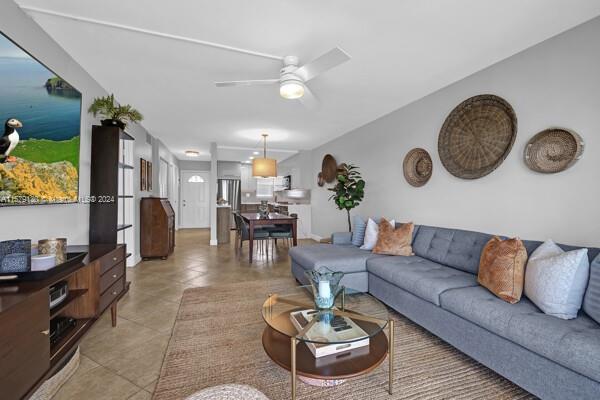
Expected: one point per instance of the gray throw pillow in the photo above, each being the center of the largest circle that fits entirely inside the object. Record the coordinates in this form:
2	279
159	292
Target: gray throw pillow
591	301
555	280
359	226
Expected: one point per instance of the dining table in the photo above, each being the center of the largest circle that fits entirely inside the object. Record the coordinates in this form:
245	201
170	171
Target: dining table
255	220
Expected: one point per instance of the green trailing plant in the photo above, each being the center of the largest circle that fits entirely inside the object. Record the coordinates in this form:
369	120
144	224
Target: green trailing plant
107	108
349	190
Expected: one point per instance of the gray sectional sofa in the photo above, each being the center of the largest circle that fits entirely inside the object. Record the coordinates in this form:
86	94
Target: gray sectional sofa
437	288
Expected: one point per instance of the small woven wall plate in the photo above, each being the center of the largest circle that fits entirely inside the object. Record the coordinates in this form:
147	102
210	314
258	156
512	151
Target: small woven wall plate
329	168
320	180
417	167
553	150
477	136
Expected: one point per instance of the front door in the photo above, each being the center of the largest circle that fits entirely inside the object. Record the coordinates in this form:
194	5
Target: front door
195	199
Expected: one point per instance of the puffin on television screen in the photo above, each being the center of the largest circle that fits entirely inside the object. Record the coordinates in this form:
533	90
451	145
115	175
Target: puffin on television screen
39	143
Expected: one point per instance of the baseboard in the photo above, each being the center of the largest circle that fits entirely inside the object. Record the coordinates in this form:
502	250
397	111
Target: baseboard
213	242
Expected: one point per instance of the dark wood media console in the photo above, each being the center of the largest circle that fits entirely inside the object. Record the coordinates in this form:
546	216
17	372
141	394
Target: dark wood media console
27	358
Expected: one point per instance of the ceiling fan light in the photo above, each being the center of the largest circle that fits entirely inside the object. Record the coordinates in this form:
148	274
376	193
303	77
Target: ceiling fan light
291	90
264	167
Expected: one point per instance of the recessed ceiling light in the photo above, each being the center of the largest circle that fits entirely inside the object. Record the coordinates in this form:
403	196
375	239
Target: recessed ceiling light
192	153
256	153
251	158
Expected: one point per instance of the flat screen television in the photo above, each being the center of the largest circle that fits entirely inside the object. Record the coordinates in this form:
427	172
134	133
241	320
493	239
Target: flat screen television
40	164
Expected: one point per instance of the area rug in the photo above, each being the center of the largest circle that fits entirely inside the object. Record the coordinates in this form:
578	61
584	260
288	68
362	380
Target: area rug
217	340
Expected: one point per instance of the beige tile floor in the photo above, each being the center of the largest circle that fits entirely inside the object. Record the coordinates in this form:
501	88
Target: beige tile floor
124	362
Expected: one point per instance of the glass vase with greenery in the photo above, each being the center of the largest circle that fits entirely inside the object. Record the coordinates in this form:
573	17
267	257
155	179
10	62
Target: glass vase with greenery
114	114
349	190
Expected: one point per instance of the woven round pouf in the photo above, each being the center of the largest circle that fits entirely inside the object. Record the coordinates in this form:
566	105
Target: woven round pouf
228	392
477	136
417	167
553	150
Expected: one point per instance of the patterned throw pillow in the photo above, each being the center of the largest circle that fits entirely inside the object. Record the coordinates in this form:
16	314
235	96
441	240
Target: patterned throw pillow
358	230
394	242
556	280
502	268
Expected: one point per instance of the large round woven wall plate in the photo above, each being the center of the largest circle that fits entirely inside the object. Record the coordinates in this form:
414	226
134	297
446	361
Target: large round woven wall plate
553	150
417	167
329	168
477	136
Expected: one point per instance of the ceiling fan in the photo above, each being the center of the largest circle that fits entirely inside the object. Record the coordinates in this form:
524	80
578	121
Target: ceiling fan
292	78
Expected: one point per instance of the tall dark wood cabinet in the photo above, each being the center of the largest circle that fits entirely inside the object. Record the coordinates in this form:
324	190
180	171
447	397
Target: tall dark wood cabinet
106	166
107	173
157	228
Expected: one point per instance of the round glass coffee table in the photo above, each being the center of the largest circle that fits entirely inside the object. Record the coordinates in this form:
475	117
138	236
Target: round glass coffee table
349	340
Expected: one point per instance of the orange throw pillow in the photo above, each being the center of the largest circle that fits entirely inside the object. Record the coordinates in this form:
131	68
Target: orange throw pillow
394	242
502	268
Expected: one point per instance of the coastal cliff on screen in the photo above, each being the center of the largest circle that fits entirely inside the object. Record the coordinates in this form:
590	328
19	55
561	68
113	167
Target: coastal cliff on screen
39	131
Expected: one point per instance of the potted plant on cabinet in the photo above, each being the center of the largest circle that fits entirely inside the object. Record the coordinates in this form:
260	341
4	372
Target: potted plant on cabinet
349	190
114	115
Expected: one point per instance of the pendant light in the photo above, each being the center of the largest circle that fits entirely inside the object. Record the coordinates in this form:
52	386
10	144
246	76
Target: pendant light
264	167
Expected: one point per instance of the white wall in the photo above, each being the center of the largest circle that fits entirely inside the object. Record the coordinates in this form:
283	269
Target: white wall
70	220
556	83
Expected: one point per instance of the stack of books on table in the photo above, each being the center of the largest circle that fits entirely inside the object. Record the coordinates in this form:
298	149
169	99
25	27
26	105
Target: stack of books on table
330	334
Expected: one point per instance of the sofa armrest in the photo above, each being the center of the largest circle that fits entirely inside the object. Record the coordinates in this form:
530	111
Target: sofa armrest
341	238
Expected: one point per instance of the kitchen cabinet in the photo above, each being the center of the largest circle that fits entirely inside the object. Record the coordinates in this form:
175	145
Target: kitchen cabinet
248	181
304	219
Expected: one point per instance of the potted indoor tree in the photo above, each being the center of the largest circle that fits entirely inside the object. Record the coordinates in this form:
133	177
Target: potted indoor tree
349	190
114	114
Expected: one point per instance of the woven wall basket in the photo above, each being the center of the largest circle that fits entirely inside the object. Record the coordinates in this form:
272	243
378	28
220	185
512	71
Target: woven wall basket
553	150
477	136
329	168
417	167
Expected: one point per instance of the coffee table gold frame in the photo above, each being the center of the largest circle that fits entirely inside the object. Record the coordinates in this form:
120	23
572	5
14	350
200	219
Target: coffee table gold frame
273	299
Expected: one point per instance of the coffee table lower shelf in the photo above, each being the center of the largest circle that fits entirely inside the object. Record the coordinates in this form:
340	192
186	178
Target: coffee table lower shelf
356	362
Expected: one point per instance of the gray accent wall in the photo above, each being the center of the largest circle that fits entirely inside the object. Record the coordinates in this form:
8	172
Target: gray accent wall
553	84
69	220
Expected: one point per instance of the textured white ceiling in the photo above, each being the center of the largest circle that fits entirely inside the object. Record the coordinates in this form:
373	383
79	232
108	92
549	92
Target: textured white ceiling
401	51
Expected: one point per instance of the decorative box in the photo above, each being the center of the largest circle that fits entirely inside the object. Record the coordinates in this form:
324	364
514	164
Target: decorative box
15	255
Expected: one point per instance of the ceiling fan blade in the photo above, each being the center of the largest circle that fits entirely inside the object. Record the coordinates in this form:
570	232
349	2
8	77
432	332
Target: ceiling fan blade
247	83
309	100
329	60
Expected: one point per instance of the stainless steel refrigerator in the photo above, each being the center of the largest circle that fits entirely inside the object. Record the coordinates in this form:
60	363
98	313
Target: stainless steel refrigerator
229	190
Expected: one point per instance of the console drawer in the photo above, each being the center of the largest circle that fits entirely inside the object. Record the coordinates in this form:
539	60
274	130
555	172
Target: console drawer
109	260
112	293
111	276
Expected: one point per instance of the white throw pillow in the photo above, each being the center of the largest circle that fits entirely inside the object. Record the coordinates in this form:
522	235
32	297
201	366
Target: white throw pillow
555	280
371	234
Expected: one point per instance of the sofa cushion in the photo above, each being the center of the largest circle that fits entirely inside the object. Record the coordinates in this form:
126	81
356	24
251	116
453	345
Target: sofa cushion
453	247
573	343
419	276
347	259
483	308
